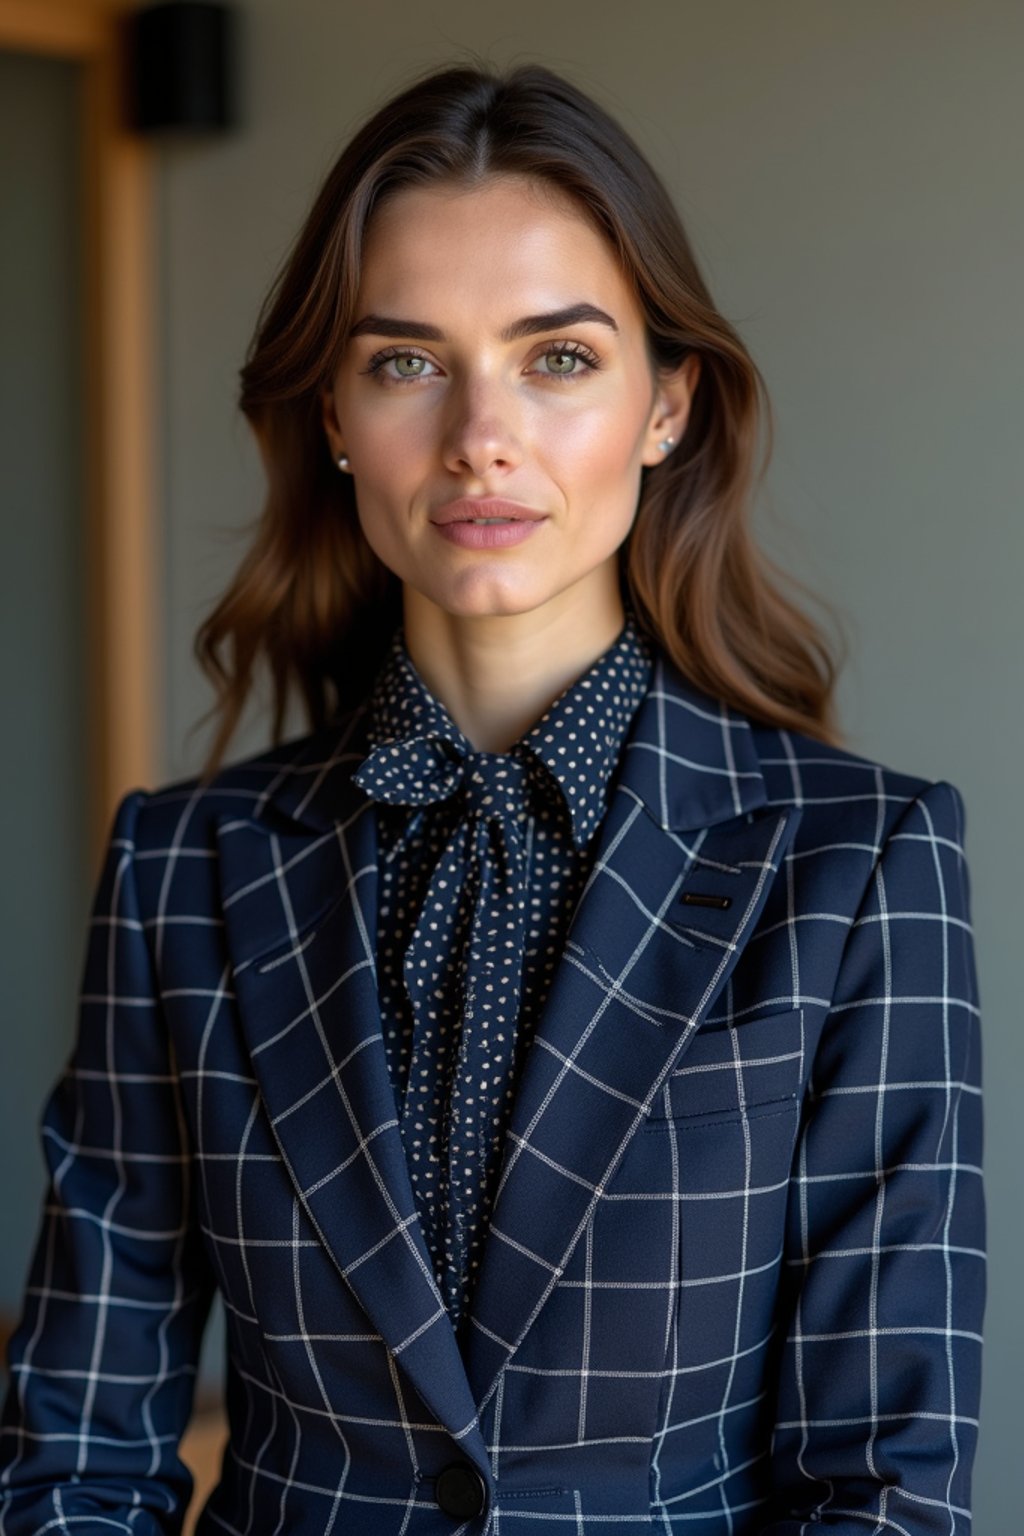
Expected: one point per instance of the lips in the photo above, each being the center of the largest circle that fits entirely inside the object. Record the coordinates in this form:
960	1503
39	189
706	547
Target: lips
467	508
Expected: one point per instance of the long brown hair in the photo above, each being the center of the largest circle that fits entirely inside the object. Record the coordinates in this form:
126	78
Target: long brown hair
314	604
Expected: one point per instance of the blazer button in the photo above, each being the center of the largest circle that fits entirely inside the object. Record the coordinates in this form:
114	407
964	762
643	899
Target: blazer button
460	1490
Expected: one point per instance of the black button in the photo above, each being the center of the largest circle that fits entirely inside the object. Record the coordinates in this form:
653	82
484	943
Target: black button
460	1490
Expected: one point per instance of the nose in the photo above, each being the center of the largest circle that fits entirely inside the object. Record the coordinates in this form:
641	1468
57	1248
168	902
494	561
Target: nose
482	433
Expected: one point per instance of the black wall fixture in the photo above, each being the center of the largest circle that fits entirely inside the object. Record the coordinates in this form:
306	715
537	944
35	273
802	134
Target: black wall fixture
180	66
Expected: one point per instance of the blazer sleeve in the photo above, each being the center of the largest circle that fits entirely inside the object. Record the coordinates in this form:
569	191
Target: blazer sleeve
103	1362
877	1412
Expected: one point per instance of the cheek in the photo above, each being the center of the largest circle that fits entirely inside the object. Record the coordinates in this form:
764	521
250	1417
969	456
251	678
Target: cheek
384	429
377	507
392	466
591	446
594	460
394	446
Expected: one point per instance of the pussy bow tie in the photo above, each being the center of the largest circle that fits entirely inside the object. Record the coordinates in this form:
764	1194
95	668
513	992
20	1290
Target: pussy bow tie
470	934
423	770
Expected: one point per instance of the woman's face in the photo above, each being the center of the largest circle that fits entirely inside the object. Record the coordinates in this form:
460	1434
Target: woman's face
498	353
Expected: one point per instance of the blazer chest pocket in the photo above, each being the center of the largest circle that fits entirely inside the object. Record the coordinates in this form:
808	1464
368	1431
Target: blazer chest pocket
753	1068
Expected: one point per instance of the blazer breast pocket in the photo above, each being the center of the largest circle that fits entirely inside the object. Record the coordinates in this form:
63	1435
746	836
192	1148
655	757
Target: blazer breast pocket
731	1073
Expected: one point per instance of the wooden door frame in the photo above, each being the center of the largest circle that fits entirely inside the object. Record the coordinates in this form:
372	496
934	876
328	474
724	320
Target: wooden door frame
123	650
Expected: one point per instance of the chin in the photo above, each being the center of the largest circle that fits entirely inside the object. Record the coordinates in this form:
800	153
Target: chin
485	599
506	586
493	609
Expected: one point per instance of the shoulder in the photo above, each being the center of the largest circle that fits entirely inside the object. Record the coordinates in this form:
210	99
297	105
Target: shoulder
715	761
851	800
171	847
273	787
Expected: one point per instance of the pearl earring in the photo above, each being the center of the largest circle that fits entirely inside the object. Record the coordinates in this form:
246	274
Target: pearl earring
342	461
666	443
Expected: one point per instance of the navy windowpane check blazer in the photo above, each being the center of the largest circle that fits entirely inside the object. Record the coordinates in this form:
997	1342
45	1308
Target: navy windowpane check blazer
734	1275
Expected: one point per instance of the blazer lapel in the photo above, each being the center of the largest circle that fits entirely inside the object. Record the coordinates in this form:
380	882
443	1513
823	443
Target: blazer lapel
299	892
641	969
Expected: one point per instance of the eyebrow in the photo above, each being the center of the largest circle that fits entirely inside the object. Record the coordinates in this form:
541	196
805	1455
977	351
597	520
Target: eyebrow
529	325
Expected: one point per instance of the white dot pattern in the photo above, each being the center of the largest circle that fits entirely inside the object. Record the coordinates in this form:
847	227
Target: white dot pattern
483	859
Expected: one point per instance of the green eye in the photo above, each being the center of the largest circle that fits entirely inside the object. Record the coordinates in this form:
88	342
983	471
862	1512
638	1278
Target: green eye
565	362
410	367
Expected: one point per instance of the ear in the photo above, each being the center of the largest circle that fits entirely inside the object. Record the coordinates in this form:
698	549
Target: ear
331	425
671	410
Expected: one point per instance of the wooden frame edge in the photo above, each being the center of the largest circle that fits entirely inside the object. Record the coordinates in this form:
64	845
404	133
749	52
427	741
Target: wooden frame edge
67	28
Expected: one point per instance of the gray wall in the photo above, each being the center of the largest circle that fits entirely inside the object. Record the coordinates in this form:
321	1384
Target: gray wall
44	893
851	176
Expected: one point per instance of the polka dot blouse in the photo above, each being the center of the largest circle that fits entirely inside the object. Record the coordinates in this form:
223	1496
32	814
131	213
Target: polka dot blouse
482	859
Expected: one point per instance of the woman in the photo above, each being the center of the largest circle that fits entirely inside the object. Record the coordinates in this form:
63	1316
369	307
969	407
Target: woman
564	1058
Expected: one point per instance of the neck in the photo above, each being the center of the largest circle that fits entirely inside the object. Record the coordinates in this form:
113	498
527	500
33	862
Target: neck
496	674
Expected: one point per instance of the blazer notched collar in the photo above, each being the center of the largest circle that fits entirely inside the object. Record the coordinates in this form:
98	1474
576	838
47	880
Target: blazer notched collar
687	815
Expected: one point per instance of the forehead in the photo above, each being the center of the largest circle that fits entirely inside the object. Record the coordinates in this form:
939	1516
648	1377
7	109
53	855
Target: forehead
508	246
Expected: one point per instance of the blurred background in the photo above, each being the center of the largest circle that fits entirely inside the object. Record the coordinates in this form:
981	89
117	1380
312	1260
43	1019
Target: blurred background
850	177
